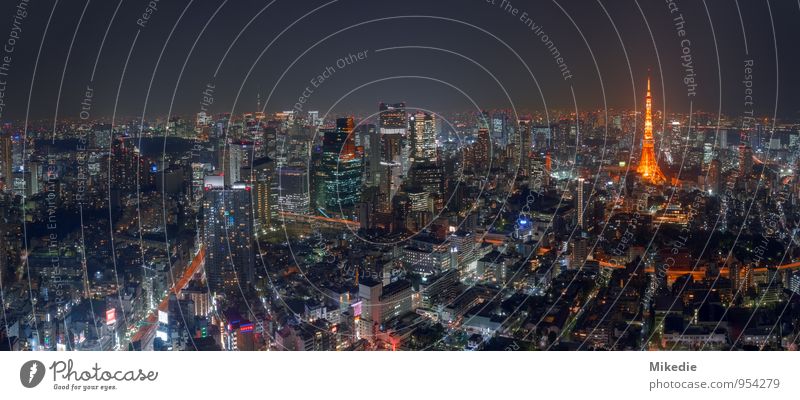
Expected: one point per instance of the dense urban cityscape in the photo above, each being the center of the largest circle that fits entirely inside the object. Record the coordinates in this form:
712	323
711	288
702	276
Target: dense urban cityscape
407	230
401	227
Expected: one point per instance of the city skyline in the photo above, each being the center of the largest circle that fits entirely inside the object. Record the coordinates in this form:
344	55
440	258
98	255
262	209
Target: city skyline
352	176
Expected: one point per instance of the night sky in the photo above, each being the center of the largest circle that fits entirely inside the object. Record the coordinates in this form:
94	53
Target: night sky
177	52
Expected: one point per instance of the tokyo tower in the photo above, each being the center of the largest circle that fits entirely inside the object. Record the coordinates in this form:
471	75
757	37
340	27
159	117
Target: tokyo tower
648	165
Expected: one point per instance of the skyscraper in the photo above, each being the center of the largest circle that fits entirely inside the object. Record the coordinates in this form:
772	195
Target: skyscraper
548	170
648	164
745	158
393	118
478	154
126	170
6	159
293	190
371	139
714	184
580	252
536	172
263	193
526	144
227	235
498	128
341	169
232	158
393	128
580	202
428	176
424	136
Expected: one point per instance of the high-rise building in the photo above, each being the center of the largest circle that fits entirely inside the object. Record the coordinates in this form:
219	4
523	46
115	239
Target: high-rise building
794	282
270	143
233	157
381	303
199	171
424	137
313	118
220	127
393	128
293	196
371	139
419	200
542	135
580	202
478	154
228	235
745	160
426	175
540	169
263	194
498	128
427	255
202	121
31	175
526	146
393	119
536	172
648	164
708	153
429	177
126	170
341	169
463	247
580	252
714	185
6	159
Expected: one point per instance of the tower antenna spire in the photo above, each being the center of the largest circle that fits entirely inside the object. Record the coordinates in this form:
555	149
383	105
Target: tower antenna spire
648	165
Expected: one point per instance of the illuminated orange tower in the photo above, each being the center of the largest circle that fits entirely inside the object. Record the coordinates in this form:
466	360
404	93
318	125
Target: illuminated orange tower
648	165
548	168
